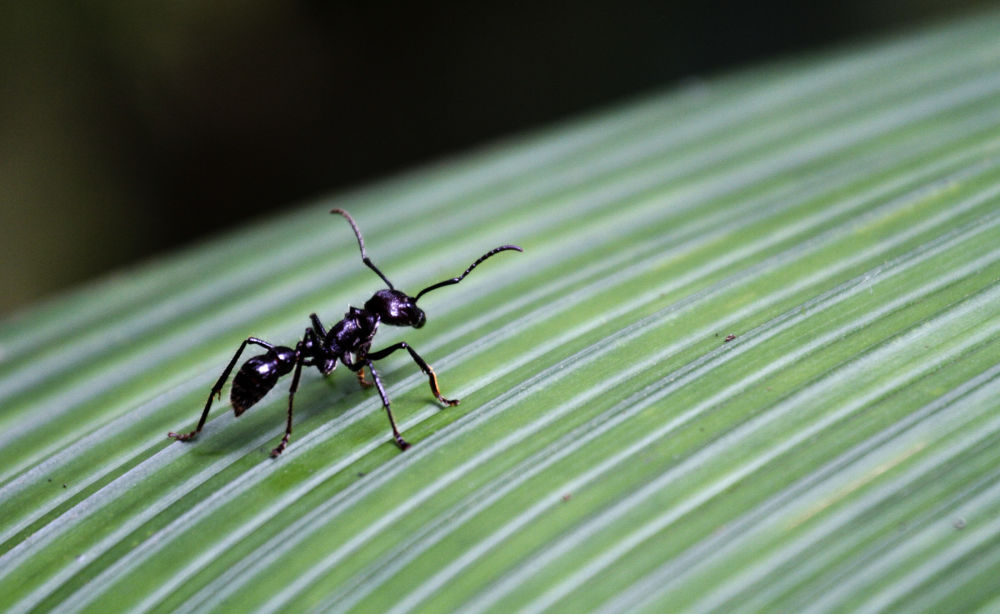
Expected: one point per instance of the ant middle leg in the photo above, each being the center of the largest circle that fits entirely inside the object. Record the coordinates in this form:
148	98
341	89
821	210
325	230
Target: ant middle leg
426	368
304	356
385	403
299	361
217	388
318	327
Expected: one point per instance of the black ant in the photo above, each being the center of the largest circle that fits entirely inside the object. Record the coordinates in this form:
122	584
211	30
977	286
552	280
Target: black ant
349	341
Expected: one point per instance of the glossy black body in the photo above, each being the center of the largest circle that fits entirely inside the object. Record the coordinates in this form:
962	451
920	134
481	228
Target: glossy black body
349	342
258	375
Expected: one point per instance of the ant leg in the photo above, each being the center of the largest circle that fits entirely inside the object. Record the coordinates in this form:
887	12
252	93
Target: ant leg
318	326
385	403
300	359
361	378
426	368
291	397
217	388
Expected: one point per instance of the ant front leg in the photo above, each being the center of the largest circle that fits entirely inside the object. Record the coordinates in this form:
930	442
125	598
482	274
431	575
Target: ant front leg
361	378
426	368
217	388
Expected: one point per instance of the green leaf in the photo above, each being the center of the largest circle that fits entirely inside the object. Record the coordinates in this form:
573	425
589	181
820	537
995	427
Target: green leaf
615	449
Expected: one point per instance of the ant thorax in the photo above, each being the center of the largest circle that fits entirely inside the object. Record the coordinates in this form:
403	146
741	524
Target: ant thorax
355	330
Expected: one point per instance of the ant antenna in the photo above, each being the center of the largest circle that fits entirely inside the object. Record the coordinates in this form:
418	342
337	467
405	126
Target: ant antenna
455	280
364	254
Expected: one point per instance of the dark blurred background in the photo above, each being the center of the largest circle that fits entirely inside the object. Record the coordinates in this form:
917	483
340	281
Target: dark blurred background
127	128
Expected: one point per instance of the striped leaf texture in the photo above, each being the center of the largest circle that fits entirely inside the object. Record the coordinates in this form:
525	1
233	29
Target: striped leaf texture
747	362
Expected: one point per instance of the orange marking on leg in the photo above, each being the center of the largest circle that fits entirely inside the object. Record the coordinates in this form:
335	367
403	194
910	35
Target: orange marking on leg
437	391
361	379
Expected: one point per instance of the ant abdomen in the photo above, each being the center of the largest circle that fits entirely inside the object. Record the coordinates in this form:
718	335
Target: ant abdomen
258	375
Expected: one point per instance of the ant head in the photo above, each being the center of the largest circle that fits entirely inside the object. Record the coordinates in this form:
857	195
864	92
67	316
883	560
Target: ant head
396	308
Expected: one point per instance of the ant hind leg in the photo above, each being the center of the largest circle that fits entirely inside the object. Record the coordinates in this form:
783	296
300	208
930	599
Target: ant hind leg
216	391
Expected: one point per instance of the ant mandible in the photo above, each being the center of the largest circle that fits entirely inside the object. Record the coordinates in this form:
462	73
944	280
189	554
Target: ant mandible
349	341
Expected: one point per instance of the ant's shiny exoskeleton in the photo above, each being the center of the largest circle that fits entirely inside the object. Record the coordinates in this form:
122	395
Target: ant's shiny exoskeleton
349	341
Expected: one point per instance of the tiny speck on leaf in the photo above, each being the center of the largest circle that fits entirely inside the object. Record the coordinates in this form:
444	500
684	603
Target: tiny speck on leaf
959	523
566	497
729	338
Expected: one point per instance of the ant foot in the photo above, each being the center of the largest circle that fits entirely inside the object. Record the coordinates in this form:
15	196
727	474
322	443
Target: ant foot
361	380
182	436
